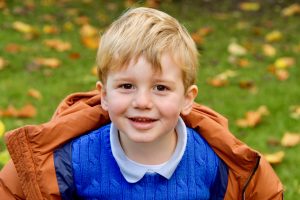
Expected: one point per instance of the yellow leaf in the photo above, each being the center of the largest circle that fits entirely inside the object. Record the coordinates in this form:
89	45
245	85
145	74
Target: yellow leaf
58	45
269	50
2	128
249	6
94	70
291	10
48	62
290	139
282	74
90	42
284	62
295	112
275	158
3	63
236	49
50	29
34	93
22	27
273	36
252	118
88	31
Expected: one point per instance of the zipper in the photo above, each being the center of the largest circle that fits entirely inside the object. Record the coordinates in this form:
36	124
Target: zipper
249	178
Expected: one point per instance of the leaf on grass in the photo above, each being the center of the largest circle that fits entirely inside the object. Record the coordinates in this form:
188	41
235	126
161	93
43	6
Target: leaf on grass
243	62
290	139
291	10
269	50
74	55
249	6
221	79
50	29
273	36
252	118
205	31
198	39
82	20
68	26
153	3
284	62
13	48
282	74
247	84
27	111
48	62
94	71
3	63
275	158
22	27
236	49
90	42
58	44
2	128
2	4
89	36
35	93
295	112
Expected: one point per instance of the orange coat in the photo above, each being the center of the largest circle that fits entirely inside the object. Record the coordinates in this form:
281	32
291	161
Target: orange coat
31	174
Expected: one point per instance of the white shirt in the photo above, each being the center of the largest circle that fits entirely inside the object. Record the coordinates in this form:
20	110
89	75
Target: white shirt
133	171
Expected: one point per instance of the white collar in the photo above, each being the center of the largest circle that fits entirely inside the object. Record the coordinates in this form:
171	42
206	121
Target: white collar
133	171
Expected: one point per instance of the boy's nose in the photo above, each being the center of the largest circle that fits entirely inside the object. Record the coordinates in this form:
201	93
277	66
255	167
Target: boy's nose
142	100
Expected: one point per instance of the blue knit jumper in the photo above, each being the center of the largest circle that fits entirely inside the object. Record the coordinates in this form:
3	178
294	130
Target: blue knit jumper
96	175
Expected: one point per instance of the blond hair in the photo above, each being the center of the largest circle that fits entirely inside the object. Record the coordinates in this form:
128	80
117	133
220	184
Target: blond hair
147	32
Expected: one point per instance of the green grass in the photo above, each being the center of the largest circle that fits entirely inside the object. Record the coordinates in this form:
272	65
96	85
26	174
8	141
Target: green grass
75	74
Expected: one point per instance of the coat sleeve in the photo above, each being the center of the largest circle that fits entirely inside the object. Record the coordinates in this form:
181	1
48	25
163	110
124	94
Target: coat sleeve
10	187
265	183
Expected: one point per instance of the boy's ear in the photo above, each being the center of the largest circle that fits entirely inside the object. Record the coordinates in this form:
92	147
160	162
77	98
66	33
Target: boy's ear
190	96
101	88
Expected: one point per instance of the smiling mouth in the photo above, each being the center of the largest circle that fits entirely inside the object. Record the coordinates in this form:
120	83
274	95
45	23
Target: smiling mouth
142	119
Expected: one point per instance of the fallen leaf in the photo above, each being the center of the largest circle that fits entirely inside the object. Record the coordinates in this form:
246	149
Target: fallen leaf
27	111
284	62
295	111
89	36
236	49
48	62
222	78
249	6
13	48
22	27
50	29
291	10
243	62
252	118
269	50
282	74
275	158
2	128
68	26
205	31
90	42
2	4
74	55
35	93
58	44
247	84
198	39
3	63
273	36
290	139
273	141
82	20
94	70
153	3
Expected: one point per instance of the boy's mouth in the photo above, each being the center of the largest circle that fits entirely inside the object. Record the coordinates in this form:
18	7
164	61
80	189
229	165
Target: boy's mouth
142	119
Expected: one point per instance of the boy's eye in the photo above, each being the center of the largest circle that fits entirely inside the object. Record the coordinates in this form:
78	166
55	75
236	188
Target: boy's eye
126	86
161	88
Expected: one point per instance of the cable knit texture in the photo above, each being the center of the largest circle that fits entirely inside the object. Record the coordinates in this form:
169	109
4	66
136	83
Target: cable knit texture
97	175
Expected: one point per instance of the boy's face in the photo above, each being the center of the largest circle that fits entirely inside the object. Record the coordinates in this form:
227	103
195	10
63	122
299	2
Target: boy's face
145	105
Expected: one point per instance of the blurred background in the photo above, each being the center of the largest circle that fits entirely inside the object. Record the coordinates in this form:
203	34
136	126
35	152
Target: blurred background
249	65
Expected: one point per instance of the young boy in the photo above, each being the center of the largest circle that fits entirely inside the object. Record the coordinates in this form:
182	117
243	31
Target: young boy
147	140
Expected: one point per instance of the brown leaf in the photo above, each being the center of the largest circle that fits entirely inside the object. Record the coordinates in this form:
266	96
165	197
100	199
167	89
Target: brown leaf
275	158
13	48
34	93
243	62
290	139
58	44
2	4
198	39
27	111
205	31
217	82
48	62
81	20
50	29
74	55
153	3
252	118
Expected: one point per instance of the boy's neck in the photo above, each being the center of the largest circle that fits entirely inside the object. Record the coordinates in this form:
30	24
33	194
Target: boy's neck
153	153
